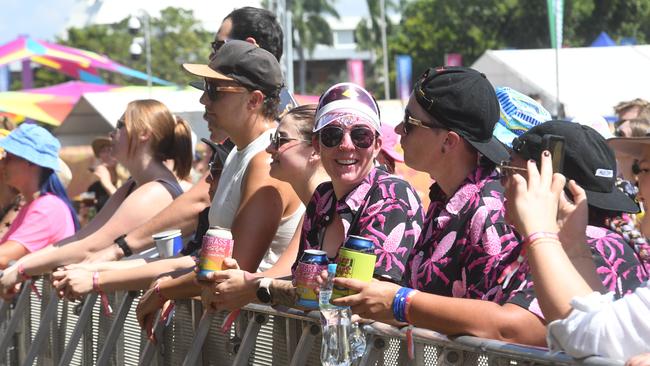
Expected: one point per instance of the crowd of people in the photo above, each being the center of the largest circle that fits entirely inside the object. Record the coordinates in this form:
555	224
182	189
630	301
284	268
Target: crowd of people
513	246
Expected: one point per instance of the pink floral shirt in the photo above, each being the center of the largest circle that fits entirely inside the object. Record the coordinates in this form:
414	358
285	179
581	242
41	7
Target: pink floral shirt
465	242
617	265
391	217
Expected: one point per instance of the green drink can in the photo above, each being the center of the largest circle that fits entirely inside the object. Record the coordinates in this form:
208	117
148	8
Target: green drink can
356	260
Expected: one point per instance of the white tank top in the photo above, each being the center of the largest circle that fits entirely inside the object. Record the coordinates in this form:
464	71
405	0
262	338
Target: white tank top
286	229
228	195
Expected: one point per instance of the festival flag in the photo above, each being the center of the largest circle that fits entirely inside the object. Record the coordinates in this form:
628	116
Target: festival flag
555	19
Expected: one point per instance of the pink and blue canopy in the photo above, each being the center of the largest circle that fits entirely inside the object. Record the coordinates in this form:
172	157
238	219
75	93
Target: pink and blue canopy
76	63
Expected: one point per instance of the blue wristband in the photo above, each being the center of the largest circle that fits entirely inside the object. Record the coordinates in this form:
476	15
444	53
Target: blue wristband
399	303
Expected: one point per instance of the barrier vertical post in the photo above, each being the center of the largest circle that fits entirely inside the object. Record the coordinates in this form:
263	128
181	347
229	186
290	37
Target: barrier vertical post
17	315
43	330
116	329
309	333
84	317
197	343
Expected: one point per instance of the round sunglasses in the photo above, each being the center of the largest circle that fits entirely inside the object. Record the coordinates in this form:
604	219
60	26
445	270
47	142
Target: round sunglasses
362	137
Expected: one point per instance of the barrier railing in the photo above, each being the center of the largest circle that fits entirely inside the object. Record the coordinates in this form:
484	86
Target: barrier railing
50	331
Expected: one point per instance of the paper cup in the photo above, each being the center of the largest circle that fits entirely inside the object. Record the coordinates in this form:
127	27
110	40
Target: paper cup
169	243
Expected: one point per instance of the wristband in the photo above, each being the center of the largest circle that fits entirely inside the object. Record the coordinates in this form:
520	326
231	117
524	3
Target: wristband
399	303
123	245
161	297
102	295
539	235
165	315
26	277
407	308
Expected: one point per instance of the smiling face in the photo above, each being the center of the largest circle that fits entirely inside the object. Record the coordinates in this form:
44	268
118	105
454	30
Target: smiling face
346	163
13	168
290	151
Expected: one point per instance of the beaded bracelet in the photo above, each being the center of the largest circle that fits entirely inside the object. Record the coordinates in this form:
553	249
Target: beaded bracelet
102	295
25	277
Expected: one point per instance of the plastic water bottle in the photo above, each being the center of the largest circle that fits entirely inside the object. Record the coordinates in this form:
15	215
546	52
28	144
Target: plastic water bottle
335	321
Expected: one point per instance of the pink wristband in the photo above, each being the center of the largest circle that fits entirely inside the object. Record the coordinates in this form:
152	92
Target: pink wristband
25	277
108	311
539	235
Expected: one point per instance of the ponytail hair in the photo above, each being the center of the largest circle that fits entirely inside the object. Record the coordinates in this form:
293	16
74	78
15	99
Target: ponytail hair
181	149
50	183
171	136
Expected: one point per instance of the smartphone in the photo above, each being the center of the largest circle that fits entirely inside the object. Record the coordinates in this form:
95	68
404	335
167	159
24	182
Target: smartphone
555	145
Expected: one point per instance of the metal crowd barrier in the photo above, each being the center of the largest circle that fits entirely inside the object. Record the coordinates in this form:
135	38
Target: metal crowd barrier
50	331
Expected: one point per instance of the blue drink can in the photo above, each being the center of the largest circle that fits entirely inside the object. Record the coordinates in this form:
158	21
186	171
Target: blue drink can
310	266
360	244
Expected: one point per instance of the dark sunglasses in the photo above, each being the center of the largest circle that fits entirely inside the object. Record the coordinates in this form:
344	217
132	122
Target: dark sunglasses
277	140
362	137
636	168
216	45
409	123
120	124
213	90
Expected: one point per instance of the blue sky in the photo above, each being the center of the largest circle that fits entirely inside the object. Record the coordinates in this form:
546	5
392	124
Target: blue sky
38	18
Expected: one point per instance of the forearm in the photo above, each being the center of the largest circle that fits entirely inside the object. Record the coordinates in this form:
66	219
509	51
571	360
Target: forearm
479	318
283	293
139	278
45	261
181	214
182	287
557	281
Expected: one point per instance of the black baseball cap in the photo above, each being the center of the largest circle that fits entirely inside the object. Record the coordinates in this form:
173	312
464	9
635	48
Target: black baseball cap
587	160
463	100
245	63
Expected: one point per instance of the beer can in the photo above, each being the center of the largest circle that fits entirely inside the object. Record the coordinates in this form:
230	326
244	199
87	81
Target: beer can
356	260
217	244
311	264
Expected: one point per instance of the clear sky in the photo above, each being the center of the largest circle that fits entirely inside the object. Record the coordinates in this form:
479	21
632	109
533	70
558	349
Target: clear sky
38	18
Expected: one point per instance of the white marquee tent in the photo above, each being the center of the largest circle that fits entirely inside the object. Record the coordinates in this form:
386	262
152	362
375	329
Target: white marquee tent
96	114
592	79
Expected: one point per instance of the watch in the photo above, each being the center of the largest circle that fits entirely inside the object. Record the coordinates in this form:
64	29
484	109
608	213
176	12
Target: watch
263	292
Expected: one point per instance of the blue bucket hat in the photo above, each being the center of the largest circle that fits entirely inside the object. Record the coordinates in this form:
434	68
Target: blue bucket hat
34	144
519	113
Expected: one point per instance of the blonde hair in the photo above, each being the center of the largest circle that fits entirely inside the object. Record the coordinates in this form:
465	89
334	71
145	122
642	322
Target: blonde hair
170	136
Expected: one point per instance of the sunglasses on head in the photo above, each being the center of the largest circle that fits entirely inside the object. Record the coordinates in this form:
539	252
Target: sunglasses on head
213	90
277	140
361	136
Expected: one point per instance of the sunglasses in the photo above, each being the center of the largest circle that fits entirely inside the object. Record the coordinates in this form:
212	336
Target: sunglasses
213	90
505	169
277	140
409	123
637	170
120	124
216	45
362	137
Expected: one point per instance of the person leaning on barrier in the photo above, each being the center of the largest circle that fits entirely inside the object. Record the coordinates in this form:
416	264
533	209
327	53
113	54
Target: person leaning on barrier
466	244
146	134
582	322
591	163
294	161
76	280
242	85
29	165
255	25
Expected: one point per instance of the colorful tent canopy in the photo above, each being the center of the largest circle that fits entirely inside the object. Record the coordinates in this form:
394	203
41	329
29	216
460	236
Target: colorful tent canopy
52	104
76	63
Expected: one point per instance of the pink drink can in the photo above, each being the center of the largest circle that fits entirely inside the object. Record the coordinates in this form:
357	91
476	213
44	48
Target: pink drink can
310	266
217	244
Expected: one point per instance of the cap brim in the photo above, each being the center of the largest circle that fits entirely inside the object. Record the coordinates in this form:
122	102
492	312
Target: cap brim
205	71
613	201
198	84
632	146
493	149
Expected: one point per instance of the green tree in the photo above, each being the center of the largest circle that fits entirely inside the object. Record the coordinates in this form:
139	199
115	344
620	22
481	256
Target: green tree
310	29
431	28
176	37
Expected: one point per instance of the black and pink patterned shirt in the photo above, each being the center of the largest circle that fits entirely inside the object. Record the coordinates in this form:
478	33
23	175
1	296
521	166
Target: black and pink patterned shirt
465	242
391	217
617	265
